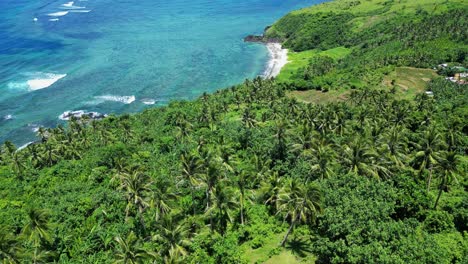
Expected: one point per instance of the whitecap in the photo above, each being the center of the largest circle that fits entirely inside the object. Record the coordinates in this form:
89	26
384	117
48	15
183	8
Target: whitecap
18	85
114	98
54	19
36	81
34	127
43	80
25	146
35	19
80	11
8	117
68	4
67	115
58	14
148	101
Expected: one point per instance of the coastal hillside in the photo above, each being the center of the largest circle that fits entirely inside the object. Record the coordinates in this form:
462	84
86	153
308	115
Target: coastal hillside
355	153
356	44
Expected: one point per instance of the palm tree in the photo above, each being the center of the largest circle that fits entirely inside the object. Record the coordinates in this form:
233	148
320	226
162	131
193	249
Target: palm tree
447	165
322	157
9	247
160	198
51	153
223	203
248	118
173	236
428	153
270	190
18	165
280	140
37	230
130	251
191	165
393	144
242	180
208	179
304	140
299	203
137	188
360	158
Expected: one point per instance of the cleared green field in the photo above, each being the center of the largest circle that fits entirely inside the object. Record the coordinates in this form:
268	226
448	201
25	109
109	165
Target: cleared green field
370	12
296	251
409	81
383	6
298	60
318	97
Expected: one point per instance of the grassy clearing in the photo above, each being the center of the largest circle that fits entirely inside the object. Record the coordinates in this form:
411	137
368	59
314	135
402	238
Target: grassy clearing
297	250
409	81
298	60
370	12
381	6
318	97
284	257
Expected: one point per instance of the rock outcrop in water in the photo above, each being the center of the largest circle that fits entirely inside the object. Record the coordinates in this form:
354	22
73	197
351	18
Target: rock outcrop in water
262	38
81	114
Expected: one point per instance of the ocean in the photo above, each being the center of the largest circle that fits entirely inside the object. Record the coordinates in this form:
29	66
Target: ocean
122	56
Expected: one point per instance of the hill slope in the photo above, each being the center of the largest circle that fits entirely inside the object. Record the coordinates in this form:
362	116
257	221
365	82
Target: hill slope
251	175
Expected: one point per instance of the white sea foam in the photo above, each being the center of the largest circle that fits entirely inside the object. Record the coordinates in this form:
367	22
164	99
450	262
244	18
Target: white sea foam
67	115
68	4
36	81
24	146
148	101
35	19
8	117
114	98
278	58
80	11
34	127
54	19
58	14
44	80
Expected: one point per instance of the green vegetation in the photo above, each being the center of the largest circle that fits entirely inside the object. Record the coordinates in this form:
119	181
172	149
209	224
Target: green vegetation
368	39
342	159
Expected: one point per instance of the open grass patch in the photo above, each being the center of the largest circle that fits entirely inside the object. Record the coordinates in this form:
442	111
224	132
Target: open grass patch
298	60
409	81
319	97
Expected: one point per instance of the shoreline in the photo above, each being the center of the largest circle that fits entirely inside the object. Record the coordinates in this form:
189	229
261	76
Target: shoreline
278	58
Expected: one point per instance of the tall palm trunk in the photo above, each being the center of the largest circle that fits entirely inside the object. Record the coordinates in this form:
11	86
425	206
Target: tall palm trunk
293	222
142	220
208	206
193	199
441	188
242	210
429	179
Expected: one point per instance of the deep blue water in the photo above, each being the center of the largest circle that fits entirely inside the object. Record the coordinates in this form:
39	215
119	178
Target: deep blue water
111	56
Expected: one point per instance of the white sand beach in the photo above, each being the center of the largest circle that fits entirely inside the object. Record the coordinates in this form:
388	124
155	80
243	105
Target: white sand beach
278	58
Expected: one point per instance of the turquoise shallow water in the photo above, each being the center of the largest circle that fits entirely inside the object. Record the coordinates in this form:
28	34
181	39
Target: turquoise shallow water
115	56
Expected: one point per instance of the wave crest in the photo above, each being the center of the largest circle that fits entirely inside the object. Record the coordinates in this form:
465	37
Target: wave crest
58	14
115	98
37	81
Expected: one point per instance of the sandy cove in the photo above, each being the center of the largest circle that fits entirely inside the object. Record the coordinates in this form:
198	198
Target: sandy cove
278	58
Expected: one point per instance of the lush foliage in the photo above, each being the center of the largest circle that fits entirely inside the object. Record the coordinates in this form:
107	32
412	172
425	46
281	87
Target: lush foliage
379	40
375	179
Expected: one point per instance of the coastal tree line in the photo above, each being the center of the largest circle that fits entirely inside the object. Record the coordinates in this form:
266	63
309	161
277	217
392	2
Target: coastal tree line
189	182
372	179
